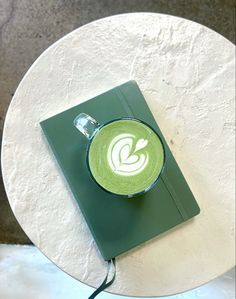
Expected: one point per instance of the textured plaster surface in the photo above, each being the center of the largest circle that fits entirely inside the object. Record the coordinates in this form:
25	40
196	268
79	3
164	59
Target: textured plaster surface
186	73
28	27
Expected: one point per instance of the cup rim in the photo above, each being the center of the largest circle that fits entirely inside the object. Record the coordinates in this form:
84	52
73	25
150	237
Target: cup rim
157	178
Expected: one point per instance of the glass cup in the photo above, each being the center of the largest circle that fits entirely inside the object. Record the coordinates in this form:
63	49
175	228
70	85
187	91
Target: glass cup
125	156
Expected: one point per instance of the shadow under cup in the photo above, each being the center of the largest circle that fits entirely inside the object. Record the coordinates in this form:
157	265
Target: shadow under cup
125	156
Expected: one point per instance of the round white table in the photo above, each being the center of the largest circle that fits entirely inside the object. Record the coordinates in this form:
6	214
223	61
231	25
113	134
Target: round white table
186	73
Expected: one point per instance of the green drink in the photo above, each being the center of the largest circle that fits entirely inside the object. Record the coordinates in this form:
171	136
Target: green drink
125	157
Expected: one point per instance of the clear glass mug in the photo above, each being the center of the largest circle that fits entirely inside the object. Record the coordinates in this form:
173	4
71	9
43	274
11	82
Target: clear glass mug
125	156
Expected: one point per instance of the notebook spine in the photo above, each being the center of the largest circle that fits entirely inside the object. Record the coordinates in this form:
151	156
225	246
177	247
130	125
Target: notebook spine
54	151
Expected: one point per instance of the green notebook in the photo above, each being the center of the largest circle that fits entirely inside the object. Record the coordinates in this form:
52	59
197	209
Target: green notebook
118	224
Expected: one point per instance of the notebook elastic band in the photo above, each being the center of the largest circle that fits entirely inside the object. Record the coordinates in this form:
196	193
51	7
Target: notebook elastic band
174	196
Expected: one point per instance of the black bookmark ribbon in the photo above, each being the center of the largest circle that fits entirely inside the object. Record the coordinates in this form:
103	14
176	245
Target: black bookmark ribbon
105	284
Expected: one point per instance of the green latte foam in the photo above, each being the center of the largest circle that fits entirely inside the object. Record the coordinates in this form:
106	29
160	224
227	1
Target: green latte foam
125	157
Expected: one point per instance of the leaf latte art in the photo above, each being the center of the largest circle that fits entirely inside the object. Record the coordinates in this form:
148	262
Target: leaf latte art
124	158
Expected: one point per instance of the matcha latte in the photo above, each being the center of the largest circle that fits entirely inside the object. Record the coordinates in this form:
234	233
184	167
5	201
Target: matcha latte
126	157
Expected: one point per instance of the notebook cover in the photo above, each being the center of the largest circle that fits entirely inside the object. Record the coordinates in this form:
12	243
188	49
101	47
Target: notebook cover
118	224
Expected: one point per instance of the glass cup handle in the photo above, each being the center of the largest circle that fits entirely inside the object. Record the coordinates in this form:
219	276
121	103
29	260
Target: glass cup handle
87	125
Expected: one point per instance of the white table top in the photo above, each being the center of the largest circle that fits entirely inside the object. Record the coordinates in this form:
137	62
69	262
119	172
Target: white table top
186	73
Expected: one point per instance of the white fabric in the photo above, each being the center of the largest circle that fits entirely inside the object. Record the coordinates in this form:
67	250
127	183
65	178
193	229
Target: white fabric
25	274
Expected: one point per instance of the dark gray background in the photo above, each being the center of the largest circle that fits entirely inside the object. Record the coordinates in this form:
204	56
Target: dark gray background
28	27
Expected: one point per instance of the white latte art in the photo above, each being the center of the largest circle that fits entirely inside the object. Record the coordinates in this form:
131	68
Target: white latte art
122	159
